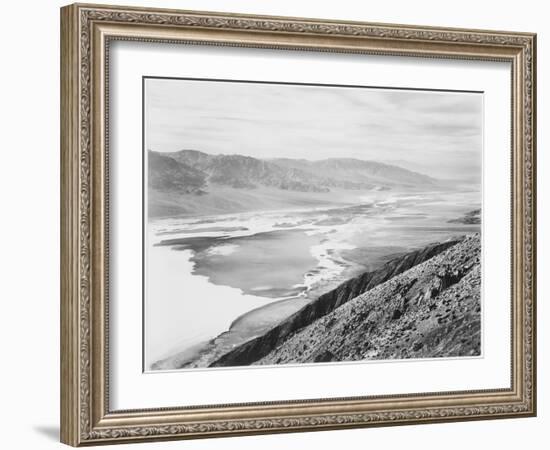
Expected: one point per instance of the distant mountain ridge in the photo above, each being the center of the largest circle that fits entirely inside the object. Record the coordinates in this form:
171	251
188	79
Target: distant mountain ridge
194	182
359	171
193	170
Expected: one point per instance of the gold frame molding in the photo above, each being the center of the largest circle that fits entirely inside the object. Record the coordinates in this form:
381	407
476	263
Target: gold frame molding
86	31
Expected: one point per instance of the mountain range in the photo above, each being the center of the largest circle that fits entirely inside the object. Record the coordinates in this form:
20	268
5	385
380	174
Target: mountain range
176	179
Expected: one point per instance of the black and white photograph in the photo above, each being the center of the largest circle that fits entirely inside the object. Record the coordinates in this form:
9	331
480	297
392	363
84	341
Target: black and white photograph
288	223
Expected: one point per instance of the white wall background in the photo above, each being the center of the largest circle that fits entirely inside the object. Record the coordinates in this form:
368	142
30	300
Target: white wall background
29	230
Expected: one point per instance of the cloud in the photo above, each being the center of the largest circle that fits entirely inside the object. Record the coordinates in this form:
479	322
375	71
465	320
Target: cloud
441	131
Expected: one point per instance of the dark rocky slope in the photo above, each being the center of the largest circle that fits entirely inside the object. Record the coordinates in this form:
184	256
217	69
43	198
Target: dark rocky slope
431	310
261	346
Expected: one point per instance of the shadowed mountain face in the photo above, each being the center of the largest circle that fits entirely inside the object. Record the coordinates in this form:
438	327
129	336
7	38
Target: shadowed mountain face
245	172
168	175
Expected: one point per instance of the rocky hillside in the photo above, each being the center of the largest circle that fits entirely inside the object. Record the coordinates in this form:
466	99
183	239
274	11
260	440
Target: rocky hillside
327	303
429	309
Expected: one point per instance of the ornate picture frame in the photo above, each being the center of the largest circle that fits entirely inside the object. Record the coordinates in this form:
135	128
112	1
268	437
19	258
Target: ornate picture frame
87	31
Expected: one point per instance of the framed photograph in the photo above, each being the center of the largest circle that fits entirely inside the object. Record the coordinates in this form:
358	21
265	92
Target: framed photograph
274	224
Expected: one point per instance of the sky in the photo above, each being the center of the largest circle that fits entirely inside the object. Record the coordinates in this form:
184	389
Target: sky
435	133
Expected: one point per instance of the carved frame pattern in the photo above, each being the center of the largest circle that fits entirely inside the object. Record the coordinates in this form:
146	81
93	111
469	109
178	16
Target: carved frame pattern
83	421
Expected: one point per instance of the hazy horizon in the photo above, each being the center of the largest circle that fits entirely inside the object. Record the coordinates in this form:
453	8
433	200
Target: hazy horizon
438	134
